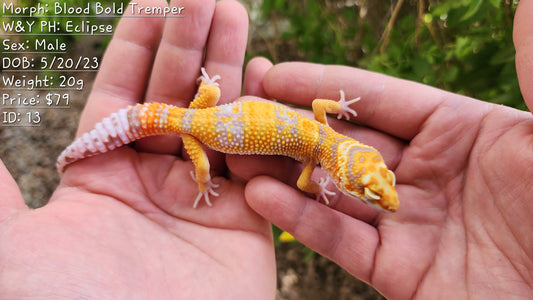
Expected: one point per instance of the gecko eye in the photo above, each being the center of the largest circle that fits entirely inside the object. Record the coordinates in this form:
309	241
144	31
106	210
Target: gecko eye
371	194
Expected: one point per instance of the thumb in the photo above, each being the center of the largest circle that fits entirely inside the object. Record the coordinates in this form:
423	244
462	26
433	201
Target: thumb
523	41
11	199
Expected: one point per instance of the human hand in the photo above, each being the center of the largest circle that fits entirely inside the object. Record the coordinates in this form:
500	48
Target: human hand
463	170
121	225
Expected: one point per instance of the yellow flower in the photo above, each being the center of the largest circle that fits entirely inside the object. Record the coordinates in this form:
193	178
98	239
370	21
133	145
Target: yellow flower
286	237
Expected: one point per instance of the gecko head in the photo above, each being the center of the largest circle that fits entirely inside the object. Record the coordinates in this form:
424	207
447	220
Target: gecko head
379	191
366	177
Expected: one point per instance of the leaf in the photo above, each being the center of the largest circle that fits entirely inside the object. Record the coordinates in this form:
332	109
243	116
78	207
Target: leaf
282	4
472	10
495	3
428	18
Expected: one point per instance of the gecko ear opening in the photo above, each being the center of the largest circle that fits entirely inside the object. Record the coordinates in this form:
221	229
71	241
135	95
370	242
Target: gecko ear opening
371	194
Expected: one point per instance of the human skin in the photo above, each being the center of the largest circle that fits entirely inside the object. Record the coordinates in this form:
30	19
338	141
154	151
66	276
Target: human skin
463	169
121	225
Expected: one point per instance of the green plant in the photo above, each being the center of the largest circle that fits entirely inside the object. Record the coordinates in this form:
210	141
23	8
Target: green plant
462	46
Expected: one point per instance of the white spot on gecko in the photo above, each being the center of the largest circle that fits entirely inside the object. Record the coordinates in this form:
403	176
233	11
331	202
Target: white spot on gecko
229	129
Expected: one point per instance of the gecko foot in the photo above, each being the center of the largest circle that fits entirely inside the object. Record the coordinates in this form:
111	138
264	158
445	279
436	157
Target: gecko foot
209	190
323	182
346	110
208	80
205	195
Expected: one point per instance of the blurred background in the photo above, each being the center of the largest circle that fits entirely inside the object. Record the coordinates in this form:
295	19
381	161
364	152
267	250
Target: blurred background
463	46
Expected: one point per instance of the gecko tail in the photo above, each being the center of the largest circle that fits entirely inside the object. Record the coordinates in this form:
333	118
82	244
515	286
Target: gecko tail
120	128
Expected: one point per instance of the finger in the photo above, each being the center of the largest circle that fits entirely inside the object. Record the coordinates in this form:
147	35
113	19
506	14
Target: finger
126	66
226	47
349	242
523	30
287	171
398	107
177	65
253	77
180	53
11	199
223	29
225	57
246	167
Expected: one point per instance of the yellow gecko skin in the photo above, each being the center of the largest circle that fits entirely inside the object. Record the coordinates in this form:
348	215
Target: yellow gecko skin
251	127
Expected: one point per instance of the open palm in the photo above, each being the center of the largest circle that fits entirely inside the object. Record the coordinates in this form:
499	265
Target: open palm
122	225
463	171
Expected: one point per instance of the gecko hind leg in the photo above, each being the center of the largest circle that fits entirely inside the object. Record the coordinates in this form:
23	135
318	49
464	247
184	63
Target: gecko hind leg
208	91
209	191
201	169
207	96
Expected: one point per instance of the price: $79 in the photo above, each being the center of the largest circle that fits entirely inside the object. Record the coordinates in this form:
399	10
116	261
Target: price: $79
57	99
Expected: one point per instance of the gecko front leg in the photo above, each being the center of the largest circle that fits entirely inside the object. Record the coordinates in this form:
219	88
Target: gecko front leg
341	107
306	184
320	108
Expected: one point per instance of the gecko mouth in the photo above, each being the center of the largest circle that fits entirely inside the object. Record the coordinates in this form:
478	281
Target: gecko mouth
373	199
379	206
370	195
